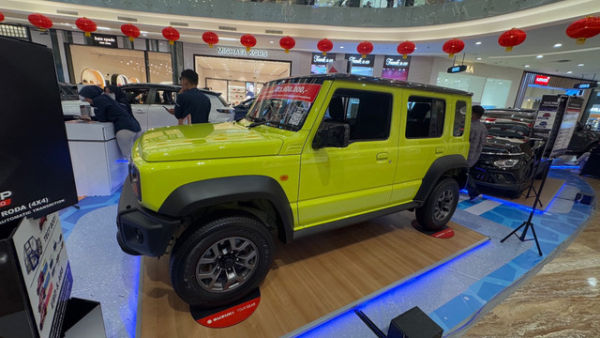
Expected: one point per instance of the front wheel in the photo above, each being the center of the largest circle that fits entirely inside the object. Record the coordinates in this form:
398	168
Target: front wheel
221	261
440	205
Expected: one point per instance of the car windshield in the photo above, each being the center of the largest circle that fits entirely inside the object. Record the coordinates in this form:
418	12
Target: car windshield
510	130
283	104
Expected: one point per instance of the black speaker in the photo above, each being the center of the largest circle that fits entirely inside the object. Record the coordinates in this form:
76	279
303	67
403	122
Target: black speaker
414	323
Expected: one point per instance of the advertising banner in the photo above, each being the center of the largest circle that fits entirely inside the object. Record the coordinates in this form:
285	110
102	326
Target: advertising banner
546	114
567	126
395	67
291	91
42	256
36	176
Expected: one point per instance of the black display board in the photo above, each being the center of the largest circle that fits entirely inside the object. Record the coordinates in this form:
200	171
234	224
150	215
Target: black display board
36	176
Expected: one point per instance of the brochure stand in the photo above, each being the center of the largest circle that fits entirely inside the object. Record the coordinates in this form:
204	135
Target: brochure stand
556	120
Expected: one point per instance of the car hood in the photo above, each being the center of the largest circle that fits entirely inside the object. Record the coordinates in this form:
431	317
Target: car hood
505	146
206	141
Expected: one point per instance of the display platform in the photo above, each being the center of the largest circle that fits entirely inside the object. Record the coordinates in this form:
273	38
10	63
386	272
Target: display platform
310	278
551	189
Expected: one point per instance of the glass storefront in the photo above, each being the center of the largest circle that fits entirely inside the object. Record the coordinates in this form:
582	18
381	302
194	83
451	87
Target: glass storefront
535	85
100	65
395	67
318	64
591	113
238	79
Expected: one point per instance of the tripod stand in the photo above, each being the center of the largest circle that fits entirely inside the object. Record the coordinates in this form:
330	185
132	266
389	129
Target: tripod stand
529	224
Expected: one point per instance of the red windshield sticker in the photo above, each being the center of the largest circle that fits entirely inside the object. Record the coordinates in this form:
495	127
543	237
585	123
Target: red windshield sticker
291	91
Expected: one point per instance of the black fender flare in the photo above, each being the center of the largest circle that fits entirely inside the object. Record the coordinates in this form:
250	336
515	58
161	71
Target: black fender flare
190	197
438	168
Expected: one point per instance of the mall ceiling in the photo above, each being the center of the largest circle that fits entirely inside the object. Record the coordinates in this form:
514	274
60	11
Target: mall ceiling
544	25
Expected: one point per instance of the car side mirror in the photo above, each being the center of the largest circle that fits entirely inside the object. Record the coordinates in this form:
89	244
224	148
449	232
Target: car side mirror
332	134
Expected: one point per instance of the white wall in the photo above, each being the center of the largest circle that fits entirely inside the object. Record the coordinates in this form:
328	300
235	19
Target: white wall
420	69
440	64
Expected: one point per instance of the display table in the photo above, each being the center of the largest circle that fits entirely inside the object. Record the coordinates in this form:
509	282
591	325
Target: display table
97	161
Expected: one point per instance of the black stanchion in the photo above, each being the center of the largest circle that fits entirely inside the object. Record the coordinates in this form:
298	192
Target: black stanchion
529	223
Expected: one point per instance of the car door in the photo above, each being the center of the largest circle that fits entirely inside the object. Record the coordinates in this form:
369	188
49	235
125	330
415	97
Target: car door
157	115
138	98
337	183
421	140
219	110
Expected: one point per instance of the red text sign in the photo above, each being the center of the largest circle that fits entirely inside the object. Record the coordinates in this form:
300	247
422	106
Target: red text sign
291	91
230	316
542	80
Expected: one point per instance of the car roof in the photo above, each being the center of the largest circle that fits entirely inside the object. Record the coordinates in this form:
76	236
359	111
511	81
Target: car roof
320	78
164	86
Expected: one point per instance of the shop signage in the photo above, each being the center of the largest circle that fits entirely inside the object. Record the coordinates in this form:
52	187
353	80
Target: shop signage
542	80
457	69
586	85
358	60
320	59
567	126
104	40
233	51
395	62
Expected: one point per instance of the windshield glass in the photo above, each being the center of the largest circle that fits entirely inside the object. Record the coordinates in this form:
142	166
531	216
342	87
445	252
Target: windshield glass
284	104
510	130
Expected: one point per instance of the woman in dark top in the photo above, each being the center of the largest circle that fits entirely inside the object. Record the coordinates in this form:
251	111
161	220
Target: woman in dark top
117	94
127	128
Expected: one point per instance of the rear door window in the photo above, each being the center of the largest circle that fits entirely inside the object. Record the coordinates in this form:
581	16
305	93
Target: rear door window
425	117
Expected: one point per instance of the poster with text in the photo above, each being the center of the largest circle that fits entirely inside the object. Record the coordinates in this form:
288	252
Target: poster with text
567	126
46	272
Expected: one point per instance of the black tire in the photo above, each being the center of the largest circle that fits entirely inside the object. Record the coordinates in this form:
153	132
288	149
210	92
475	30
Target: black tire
199	242
427	216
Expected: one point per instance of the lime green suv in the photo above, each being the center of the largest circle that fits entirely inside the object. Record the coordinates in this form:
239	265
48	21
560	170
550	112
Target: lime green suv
314	153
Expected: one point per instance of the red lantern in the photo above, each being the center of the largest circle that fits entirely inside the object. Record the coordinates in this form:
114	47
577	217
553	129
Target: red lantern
248	41
287	43
584	29
130	31
86	25
364	48
1	17
511	38
453	46
325	46
42	22
405	48
170	34
210	38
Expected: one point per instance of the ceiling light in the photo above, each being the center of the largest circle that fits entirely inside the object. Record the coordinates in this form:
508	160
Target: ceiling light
103	28
478	43
539	56
557	45
569	72
478	59
271	41
342	47
580	65
527	66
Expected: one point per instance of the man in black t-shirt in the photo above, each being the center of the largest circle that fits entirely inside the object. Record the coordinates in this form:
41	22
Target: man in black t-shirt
191	101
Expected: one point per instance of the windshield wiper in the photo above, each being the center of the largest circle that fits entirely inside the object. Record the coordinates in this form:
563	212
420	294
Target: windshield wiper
257	122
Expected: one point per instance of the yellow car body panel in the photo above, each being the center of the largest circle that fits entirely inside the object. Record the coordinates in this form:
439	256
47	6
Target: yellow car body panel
321	185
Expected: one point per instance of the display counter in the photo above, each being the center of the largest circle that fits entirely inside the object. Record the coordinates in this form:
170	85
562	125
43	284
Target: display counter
97	162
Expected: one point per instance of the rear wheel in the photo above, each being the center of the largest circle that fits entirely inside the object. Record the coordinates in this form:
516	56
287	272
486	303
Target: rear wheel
221	261
440	205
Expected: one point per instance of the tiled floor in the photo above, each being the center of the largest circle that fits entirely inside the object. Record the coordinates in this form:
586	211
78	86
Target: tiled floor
562	300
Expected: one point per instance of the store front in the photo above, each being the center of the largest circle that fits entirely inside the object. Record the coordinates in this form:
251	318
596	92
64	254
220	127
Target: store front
361	65
238	79
395	67
489	92
535	85
99	65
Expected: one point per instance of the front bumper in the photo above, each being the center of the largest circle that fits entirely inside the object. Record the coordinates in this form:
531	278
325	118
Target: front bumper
503	181
141	231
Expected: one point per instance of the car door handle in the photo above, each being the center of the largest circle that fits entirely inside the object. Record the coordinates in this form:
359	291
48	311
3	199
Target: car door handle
139	111
382	156
439	150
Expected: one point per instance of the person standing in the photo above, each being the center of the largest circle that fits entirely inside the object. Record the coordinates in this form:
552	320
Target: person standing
127	128
476	139
191	101
390	3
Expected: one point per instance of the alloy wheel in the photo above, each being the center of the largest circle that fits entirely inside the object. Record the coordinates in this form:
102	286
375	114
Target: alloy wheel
227	264
443	205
